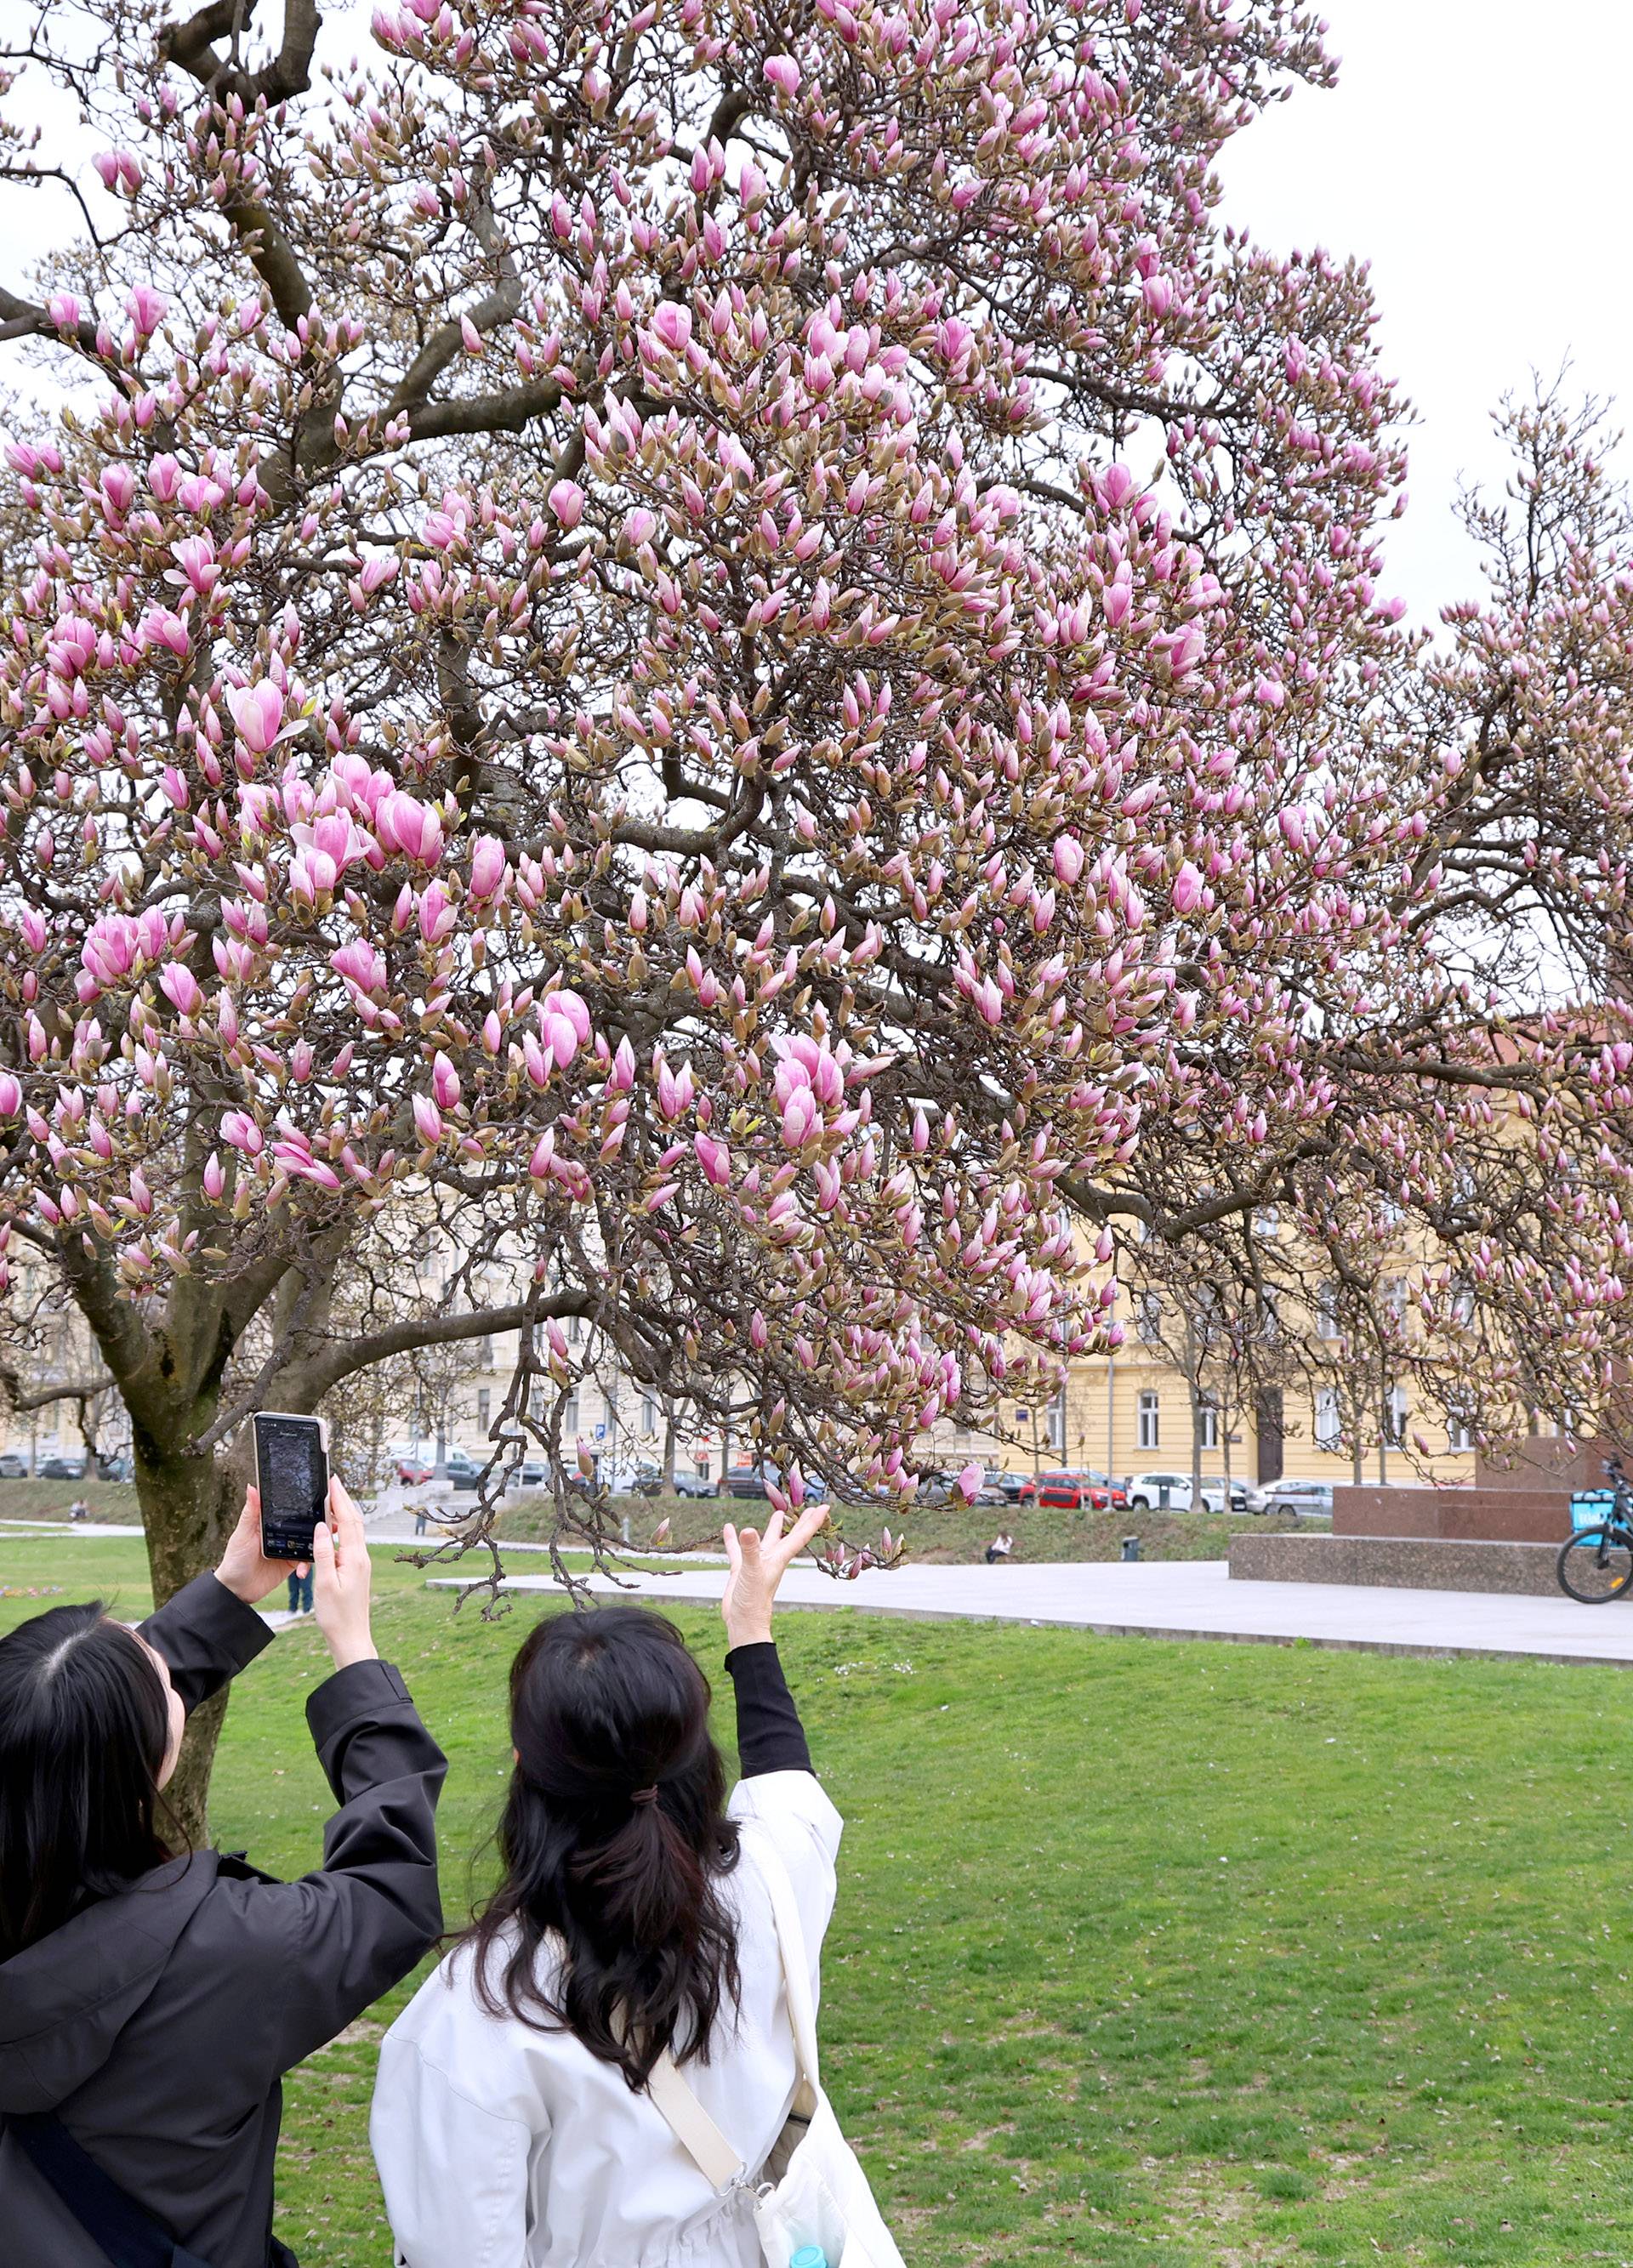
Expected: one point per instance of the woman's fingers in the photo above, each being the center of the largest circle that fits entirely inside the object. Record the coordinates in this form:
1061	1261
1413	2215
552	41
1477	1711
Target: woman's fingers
802	1532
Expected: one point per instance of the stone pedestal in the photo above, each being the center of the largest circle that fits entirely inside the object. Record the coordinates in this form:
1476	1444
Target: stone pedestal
1411	1563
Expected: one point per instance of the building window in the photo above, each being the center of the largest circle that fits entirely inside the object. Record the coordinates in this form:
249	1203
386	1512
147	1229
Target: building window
1150	1421
570	1414
1326	1313
484	1405
1057	1422
1459	1431
1269	1317
575	1329
1266	1220
1208	1421
1148	1318
1328	1426
484	1354
648	1414
1395	1417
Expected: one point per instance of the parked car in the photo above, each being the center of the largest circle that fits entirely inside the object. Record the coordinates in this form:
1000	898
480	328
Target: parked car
463	1471
534	1473
1300	1500
63	1468
693	1483
749	1480
414	1472
1012	1488
1172	1493
1082	1490
120	1468
13	1467
644	1479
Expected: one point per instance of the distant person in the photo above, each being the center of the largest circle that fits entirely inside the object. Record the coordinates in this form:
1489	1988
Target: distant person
301	1588
1000	1549
151	2004
79	1509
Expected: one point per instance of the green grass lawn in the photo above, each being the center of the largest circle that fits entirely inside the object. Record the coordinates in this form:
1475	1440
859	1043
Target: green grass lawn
1215	1955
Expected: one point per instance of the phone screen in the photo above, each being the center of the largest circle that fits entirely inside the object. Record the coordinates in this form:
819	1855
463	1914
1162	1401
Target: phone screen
291	1472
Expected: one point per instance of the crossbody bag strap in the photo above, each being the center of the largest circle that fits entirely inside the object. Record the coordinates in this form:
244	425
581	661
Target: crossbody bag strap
796	1969
688	2121
125	2231
721	2165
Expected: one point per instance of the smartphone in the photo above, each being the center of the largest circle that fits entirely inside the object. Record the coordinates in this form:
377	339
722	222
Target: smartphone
292	1473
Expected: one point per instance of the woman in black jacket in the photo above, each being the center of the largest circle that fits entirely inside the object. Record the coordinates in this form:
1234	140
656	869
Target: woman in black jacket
150	2004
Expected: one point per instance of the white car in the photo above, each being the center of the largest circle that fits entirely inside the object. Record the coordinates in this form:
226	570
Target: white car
1172	1493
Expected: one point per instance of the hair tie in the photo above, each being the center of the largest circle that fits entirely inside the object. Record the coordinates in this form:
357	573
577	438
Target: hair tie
644	1795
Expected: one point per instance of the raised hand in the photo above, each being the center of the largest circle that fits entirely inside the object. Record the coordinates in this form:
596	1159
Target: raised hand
758	1564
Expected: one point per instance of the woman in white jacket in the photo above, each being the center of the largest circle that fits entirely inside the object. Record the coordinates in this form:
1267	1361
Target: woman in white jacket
511	2124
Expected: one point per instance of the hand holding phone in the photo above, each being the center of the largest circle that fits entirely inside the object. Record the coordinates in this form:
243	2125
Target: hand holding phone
292	1476
341	1580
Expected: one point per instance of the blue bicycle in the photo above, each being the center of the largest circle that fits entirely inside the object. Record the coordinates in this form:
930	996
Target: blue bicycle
1596	1565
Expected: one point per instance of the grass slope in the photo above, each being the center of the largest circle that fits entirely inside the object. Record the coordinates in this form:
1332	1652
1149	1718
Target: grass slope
1255	1954
950	1533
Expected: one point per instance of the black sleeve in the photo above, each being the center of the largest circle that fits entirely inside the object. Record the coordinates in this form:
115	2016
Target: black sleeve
357	1925
770	1735
206	1636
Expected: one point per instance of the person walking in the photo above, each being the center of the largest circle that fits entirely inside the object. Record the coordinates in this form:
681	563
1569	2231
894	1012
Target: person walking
301	1588
512	2122
150	2003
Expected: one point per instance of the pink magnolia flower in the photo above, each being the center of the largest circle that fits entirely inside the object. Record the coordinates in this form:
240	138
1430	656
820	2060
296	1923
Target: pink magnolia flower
800	1116
1068	859
436	914
427	1121
240	1132
783	72
487	865
10	1095
445	1084
361	964
146	309
1187	892
672	324
403	824
715	1158
257	713
214	1178
566	501
178	984
969	1480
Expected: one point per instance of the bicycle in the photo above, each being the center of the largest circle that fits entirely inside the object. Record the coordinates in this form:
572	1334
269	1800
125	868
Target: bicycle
1595	1564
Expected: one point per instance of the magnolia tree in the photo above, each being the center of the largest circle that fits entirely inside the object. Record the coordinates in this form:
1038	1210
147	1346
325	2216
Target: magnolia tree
729	654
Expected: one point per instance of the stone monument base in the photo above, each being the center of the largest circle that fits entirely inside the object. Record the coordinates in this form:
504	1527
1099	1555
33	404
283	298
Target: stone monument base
1410	1562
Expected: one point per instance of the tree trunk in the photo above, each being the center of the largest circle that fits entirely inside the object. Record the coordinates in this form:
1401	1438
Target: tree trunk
668	1448
186	1511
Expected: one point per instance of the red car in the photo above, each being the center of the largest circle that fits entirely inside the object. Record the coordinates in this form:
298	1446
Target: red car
1081	1492
414	1474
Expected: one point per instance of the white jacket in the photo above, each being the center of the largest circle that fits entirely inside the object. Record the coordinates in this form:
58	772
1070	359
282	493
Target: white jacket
502	2147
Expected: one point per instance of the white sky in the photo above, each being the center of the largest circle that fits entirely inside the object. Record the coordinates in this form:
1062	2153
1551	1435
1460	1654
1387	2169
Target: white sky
1475	152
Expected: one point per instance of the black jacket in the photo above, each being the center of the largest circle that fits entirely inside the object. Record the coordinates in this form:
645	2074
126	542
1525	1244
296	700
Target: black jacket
157	2024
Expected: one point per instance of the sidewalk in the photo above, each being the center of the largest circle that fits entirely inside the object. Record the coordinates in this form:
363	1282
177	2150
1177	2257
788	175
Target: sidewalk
1184	1599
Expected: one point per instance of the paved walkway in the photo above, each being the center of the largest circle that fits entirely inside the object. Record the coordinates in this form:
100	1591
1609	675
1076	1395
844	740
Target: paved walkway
1191	1599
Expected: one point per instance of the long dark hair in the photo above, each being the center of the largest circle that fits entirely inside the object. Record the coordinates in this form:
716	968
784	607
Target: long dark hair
84	1727
613	1837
